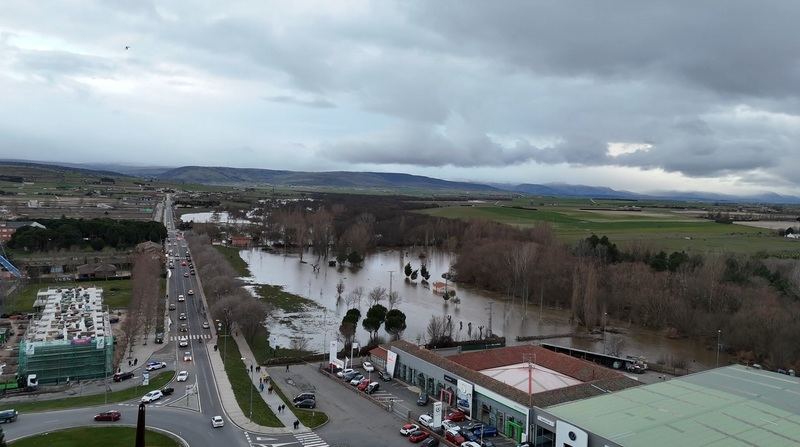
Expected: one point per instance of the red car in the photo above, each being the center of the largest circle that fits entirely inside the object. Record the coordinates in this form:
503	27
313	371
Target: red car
112	416
456	416
418	436
363	385
454	437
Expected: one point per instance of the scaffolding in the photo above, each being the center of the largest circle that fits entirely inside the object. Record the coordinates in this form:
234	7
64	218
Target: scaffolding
57	361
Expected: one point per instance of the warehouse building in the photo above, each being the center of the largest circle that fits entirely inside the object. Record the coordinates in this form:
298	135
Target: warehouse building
70	338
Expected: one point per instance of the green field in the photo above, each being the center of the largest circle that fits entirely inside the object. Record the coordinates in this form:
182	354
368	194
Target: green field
236	261
659	229
116	293
242	386
95	437
91	399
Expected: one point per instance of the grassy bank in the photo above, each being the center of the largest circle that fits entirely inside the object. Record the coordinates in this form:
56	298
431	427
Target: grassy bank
309	418
232	256
92	399
263	350
281	299
95	437
116	293
242	386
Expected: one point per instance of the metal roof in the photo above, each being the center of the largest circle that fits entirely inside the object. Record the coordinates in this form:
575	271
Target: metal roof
730	406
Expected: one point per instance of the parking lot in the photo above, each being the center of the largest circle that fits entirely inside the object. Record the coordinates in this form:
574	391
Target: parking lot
353	416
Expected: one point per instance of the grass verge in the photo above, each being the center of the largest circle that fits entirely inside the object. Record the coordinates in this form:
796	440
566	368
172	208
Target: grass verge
95	437
239	378
281	299
92	399
236	261
263	351
310	418
116	293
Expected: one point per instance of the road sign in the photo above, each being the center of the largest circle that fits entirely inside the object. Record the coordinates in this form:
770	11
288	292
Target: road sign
145	379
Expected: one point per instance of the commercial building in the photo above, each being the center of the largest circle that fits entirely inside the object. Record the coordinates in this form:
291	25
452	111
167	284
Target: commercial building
731	406
70	338
505	387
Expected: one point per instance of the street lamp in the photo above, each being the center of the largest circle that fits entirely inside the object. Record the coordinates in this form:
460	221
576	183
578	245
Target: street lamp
719	335
605	317
251	388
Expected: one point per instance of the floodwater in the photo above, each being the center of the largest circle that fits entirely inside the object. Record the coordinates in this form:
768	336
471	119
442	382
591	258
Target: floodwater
205	217
419	303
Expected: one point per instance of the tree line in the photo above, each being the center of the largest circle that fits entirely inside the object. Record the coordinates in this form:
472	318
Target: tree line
97	234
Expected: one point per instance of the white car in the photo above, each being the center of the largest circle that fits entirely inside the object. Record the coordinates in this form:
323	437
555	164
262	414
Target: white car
343	372
408	429
181	298
152	396
368	366
205	325
426	420
152	366
183	342
470	444
183	376
450	425
190	292
217	421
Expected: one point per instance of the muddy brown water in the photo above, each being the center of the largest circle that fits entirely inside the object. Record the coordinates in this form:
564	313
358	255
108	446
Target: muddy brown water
320	325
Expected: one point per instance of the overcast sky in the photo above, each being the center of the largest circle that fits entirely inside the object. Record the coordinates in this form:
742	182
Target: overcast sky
640	95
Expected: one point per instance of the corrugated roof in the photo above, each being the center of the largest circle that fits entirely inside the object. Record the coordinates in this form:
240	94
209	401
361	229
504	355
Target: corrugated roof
728	406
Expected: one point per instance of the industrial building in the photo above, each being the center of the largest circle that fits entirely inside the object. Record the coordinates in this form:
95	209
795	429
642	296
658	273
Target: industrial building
505	387
70	337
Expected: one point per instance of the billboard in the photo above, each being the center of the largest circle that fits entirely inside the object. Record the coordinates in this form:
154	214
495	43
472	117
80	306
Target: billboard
464	397
437	414
391	361
332	351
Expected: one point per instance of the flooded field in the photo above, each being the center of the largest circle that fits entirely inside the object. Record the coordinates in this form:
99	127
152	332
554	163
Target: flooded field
470	318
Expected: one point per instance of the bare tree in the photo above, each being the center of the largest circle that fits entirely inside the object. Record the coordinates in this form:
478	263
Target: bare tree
299	344
376	295
394	299
250	314
340	289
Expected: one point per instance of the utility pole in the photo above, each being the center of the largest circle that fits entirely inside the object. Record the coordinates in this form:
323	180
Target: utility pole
489	328
719	335
530	359
541	301
391	273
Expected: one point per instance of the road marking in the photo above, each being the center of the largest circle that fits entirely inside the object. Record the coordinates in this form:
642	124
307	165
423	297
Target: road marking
310	439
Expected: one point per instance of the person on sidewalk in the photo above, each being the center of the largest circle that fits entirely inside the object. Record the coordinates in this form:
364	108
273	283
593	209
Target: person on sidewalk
261	387
296	424
287	367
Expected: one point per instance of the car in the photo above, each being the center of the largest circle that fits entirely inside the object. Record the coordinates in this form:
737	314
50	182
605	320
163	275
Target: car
308	403
485	431
472	425
186	274
171	265
422	400
167	390
187	356
8	415
470	444
171	306
205	325
343	372
152	396
182	316
450	425
486	443
159	338
407	429
454	437
350	376
418	436
184	328
368	366
372	387
181	298
120	376
183	342
217	421
152	366
456	416
357	379
425	420
111	416
385	376
183	376
183	263
191	272
362	386
303	396
469	436
430	442
190	292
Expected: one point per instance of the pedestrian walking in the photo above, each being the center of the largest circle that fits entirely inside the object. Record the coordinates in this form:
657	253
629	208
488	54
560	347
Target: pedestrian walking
261	387
251	368
296	424
135	362
287	367
260	380
269	390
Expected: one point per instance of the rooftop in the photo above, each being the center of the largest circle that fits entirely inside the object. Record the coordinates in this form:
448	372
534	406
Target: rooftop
540	378
730	406
69	315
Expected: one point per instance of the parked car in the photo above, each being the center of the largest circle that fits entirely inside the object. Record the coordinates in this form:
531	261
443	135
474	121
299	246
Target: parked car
385	376
183	376
303	396
368	366
217	421
362	386
422	400
454	437
152	396
111	416
372	387
119	377
470	444
187	356
430	442
152	366
486	443
407	429
425	420
167	390
469	436
418	436
8	415
356	379
472	425
450	425
308	403
344	371
485	431
456	416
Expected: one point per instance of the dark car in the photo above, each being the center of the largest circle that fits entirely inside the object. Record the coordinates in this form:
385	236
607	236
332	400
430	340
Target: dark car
308	403
385	376
111	416
485	430
349	376
159	338
8	415
120	376
167	390
422	400
304	396
430	442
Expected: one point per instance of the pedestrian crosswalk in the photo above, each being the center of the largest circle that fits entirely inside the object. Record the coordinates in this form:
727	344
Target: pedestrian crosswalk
191	337
310	439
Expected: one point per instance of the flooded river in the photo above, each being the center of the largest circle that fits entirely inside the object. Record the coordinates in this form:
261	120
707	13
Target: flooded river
419	303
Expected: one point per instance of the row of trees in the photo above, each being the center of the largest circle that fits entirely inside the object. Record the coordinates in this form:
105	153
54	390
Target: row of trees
753	301
82	233
142	315
393	321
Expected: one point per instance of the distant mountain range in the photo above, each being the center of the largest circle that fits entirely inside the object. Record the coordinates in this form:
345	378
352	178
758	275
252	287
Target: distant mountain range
388	181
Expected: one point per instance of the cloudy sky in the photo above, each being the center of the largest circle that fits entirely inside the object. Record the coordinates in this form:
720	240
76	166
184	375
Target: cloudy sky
641	95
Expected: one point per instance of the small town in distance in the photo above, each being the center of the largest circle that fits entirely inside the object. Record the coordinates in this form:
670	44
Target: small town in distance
347	224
